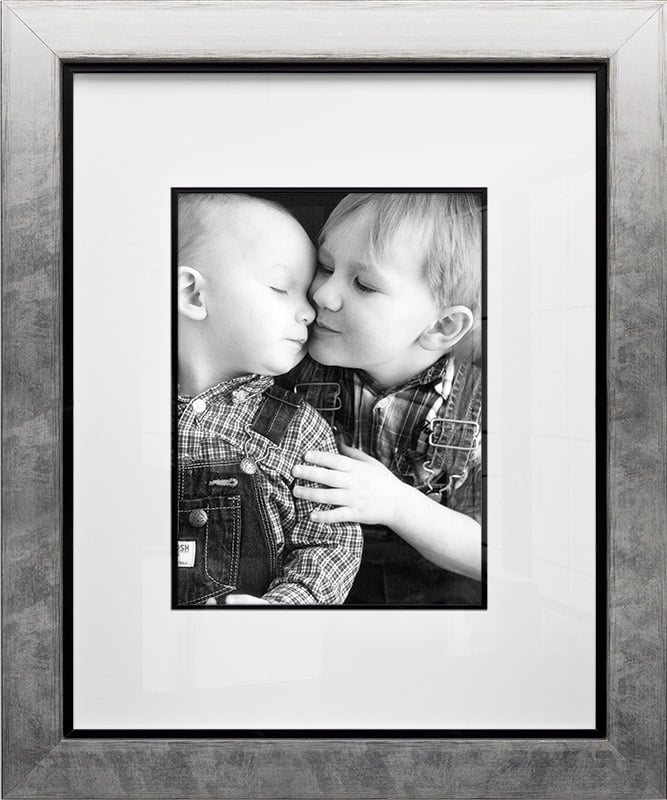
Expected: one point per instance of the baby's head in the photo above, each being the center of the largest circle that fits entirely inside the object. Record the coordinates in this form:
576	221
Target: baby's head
245	265
398	282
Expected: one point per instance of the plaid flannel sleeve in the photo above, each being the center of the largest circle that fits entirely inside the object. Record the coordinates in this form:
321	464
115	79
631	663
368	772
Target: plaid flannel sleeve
319	561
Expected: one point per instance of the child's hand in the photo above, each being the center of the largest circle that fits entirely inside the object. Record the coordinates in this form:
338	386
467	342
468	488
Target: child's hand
362	488
245	600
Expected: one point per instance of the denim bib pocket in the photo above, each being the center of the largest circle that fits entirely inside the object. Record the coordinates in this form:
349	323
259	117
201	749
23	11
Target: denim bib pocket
209	543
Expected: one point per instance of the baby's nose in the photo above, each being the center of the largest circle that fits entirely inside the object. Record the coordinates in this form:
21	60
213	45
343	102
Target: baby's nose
307	313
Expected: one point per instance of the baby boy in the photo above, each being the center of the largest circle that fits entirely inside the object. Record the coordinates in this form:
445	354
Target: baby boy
244	268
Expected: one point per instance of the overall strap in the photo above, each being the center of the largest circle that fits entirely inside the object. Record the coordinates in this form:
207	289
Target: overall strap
275	414
455	433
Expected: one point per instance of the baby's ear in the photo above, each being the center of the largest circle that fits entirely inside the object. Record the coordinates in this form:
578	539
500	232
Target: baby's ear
448	329
191	301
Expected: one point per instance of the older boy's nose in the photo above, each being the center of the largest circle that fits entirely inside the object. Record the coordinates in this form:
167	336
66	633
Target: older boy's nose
327	296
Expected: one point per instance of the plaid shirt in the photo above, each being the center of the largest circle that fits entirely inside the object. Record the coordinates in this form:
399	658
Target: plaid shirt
394	425
319	561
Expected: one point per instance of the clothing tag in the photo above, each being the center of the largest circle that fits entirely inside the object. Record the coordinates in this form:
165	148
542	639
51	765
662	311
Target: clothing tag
233	482
186	554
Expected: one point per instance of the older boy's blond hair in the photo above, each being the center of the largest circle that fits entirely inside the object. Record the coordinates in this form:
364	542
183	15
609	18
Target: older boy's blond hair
449	225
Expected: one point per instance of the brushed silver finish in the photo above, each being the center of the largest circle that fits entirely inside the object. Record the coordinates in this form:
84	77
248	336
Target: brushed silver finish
38	762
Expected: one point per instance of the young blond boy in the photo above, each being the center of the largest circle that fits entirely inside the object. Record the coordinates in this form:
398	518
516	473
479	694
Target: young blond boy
244	269
397	289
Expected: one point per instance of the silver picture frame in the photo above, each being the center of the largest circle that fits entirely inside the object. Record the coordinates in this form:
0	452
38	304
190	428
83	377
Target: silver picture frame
38	38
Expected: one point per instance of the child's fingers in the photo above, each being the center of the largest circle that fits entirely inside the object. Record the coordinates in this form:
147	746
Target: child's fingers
245	600
330	460
353	452
330	497
332	515
327	477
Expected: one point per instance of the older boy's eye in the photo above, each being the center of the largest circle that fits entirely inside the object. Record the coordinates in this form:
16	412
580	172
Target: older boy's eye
279	291
323	268
362	286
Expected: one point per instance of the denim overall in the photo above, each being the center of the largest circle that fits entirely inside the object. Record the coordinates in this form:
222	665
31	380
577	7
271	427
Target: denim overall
225	543
392	572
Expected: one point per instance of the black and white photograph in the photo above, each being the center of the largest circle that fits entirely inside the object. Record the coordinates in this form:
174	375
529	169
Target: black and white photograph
329	398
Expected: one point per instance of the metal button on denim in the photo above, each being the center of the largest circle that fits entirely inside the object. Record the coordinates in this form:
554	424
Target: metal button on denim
248	466
198	518
199	406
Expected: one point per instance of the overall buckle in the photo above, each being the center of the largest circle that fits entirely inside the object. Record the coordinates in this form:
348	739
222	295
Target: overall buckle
448	421
338	404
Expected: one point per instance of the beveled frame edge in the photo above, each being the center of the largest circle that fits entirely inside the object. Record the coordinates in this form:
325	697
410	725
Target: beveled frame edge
38	762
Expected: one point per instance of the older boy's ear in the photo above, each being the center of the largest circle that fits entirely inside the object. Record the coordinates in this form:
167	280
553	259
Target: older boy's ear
449	329
191	301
